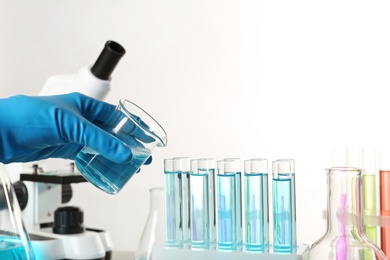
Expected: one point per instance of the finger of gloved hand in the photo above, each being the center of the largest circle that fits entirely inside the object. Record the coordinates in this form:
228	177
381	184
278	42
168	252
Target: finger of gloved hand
142	135
67	151
92	109
149	160
124	127
84	133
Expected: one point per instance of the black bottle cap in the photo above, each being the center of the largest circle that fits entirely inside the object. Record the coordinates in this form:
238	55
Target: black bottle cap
68	220
107	60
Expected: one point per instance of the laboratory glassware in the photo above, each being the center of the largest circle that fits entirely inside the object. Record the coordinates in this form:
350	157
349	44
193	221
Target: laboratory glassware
344	238
384	180
135	127
203	219
238	198
182	164
154	232
227	205
14	240
284	206
177	202
369	165
256	204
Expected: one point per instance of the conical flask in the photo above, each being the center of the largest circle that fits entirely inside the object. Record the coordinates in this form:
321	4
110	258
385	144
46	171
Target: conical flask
344	238
154	230
14	240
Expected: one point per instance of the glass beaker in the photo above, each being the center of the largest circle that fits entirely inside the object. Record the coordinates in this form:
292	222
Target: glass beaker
154	230
135	127
14	240
344	238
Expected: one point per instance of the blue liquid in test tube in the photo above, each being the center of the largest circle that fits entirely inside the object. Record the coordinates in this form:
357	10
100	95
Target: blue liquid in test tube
227	206
256	205
202	203
177	208
173	187
283	190
182	164
238	192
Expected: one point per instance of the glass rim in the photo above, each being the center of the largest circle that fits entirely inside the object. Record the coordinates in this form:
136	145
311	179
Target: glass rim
344	170
162	141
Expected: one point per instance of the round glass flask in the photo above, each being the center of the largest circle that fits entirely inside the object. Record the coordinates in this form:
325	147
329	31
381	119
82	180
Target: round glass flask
344	238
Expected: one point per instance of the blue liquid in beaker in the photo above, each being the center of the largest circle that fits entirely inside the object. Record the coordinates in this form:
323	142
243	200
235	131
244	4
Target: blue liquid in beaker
12	248
107	175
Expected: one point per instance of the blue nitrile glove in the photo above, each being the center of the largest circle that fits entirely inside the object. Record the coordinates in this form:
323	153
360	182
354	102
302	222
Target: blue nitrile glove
35	128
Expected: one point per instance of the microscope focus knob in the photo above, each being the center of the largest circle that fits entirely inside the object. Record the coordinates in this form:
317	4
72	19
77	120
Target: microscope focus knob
68	220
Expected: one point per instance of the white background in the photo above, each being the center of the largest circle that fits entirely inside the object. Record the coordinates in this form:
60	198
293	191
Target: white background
241	78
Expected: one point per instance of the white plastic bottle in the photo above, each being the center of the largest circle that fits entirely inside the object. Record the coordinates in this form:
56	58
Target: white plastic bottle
93	81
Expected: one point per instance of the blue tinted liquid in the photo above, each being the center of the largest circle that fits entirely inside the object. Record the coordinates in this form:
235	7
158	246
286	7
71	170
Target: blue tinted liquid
185	181
212	209
256	212
226	195
265	209
238	200
12	249
212	202
105	174
200	216
284	215
173	209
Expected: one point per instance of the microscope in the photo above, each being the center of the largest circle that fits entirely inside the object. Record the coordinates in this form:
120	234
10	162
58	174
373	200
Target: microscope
57	231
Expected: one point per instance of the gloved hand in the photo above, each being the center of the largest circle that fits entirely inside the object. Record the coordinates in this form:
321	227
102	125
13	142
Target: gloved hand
35	128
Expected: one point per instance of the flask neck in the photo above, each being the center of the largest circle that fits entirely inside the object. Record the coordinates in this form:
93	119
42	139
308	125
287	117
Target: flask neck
157	200
344	214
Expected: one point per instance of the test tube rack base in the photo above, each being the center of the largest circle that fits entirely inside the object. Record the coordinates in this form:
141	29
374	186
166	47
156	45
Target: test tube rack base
163	253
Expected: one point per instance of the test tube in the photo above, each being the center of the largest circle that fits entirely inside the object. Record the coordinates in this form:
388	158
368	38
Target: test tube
256	204
384	181
238	189
203	219
369	161
226	204
173	207
283	190
182	165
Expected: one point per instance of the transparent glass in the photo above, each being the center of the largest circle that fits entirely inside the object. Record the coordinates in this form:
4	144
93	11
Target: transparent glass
238	198
135	127
177	202
256	204
203	215
384	181
344	238
227	205
284	206
14	240
154	230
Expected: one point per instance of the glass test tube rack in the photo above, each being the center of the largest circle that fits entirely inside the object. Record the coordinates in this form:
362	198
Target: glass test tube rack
207	197
163	253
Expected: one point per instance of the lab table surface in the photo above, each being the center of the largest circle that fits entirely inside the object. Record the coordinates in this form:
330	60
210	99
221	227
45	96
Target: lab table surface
122	255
